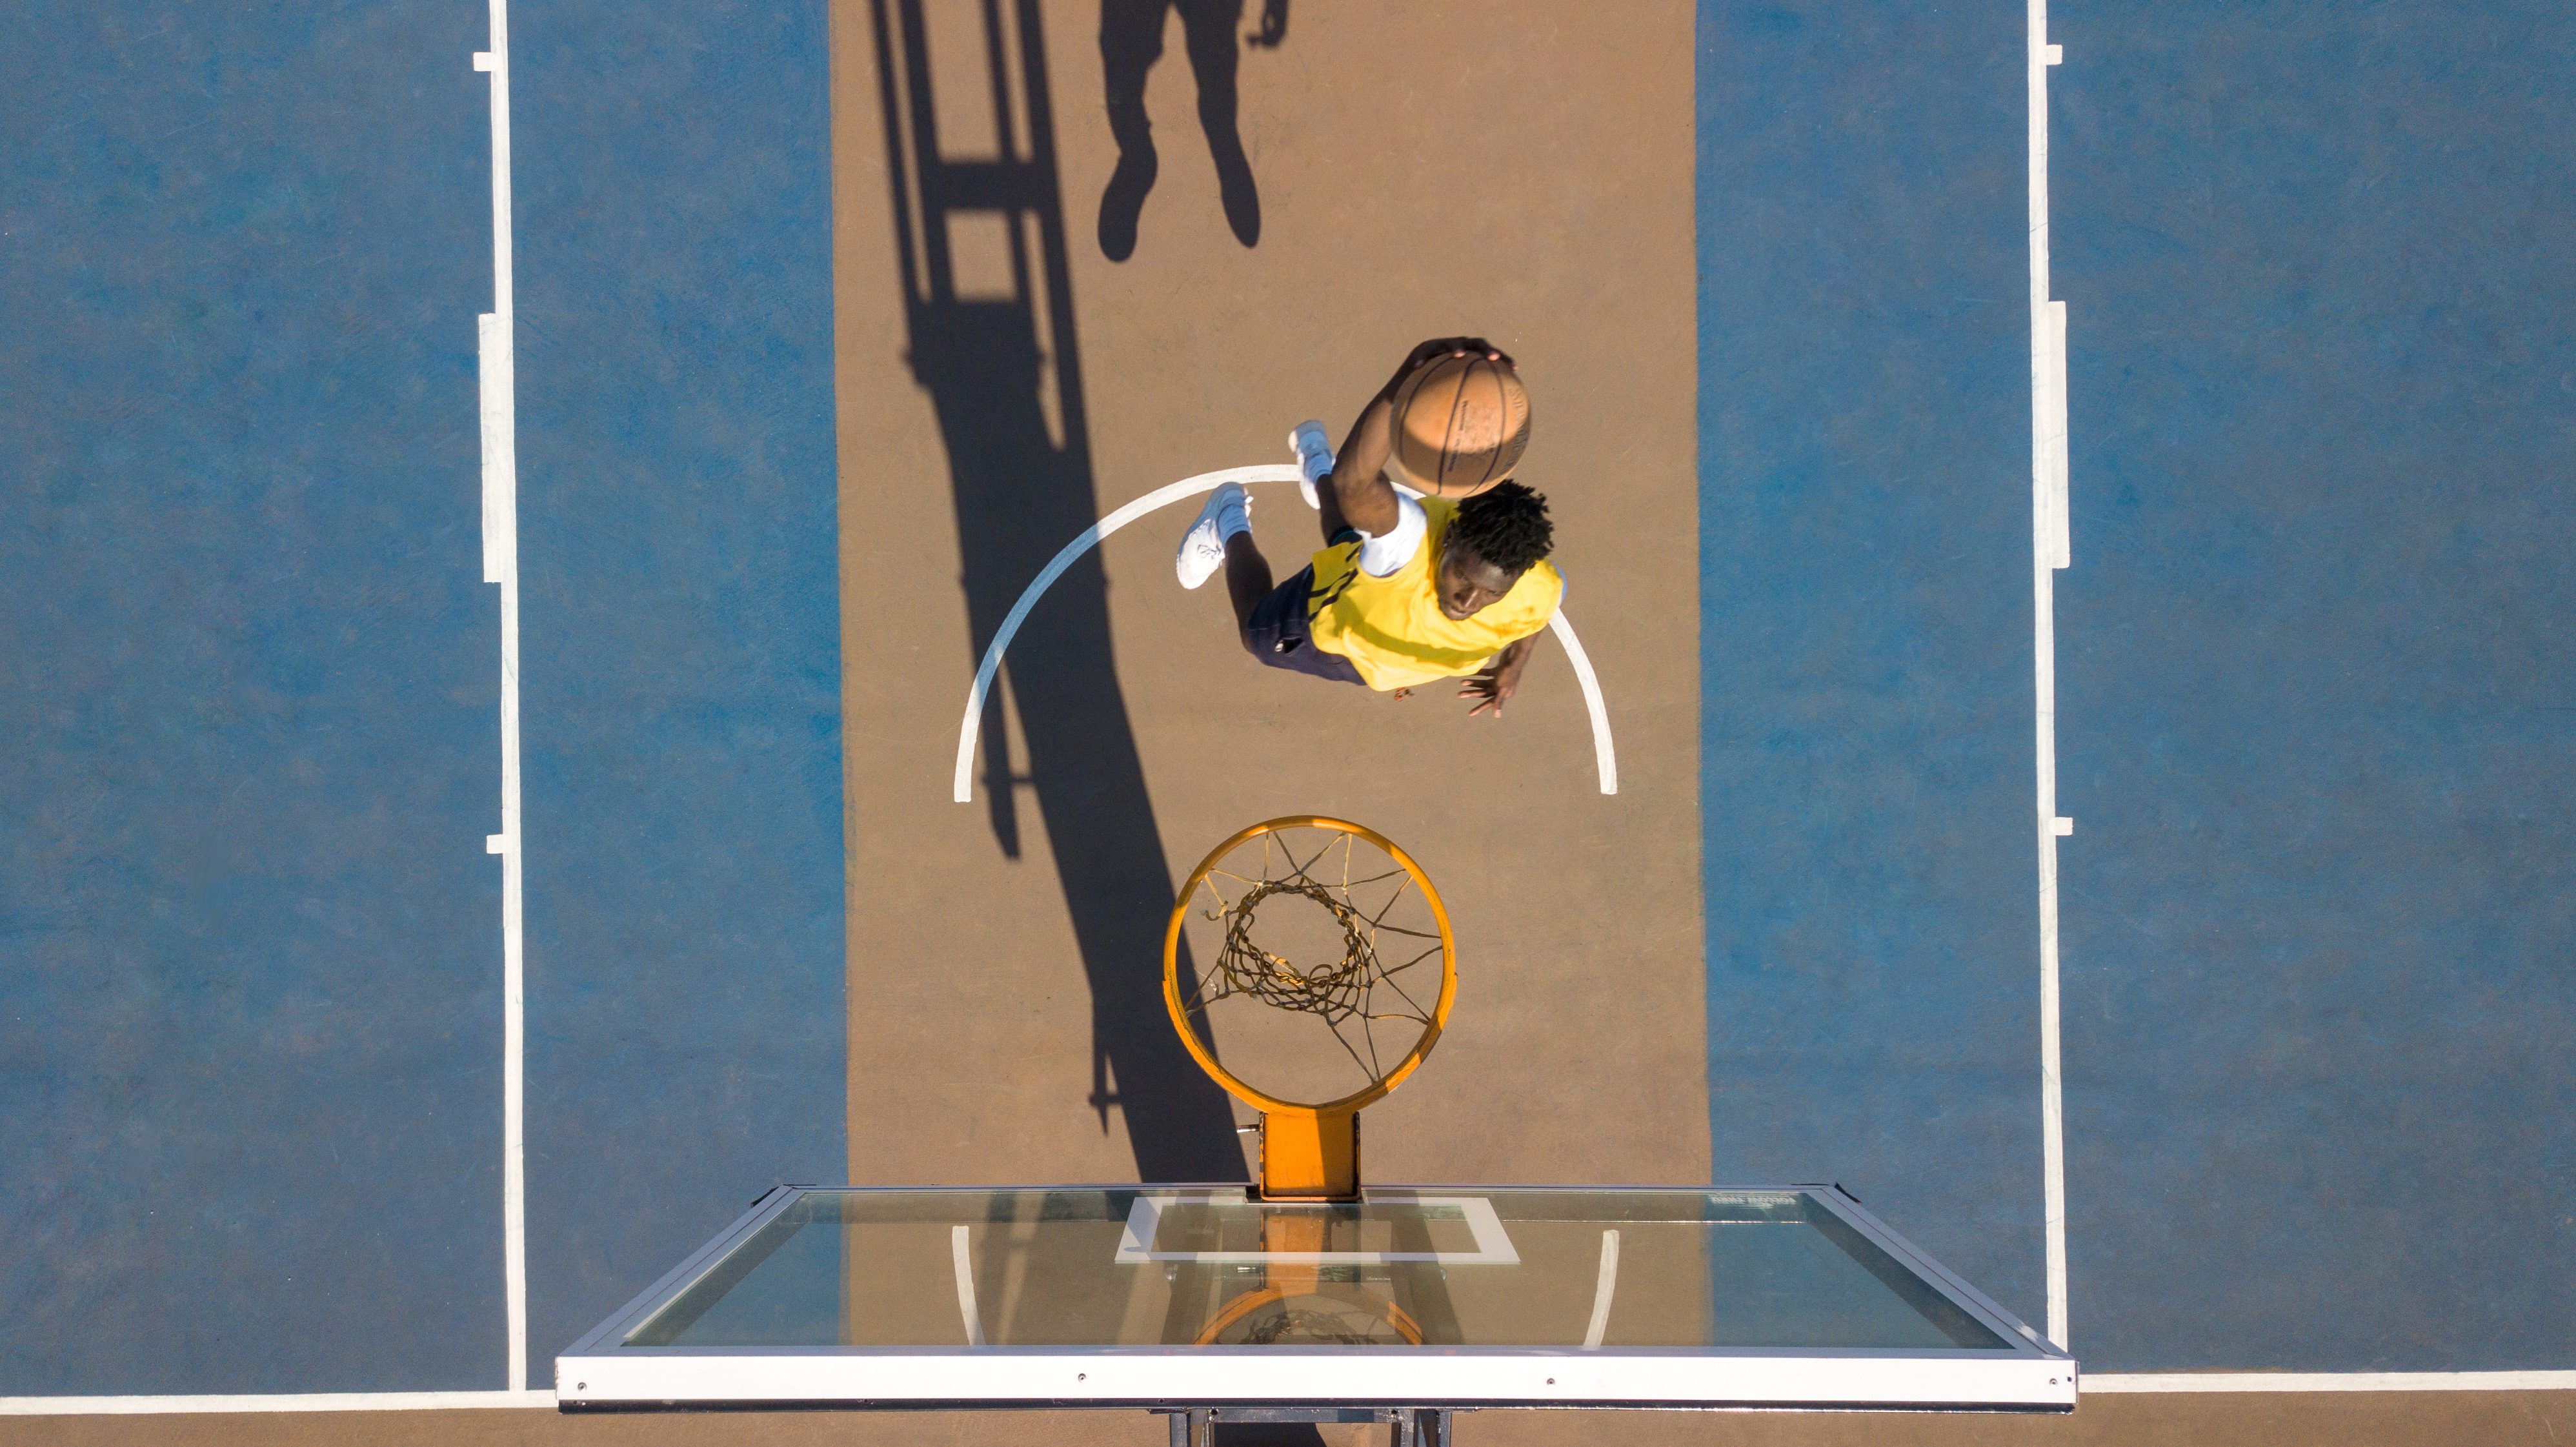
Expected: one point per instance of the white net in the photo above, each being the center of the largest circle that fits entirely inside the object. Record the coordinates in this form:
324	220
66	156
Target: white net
1319	962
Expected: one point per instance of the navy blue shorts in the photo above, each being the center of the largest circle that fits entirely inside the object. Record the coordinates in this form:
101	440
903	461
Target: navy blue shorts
1277	634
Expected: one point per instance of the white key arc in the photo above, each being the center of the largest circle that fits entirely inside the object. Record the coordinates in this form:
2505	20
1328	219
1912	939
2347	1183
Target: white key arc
1605	755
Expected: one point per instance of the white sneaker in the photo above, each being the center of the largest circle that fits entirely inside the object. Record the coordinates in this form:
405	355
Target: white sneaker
1228	511
1314	453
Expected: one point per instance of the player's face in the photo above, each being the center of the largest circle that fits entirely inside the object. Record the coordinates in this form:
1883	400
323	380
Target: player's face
1467	582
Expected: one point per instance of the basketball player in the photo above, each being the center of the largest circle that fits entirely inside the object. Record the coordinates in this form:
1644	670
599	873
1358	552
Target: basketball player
1408	588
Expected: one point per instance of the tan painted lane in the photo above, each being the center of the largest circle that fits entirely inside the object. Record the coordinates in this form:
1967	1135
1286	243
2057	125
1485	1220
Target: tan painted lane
1422	170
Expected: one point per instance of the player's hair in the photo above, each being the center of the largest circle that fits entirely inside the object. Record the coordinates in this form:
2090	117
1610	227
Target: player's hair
1506	525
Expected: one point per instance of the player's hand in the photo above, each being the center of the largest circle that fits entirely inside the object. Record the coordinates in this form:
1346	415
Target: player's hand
1274	25
1439	347
1489	688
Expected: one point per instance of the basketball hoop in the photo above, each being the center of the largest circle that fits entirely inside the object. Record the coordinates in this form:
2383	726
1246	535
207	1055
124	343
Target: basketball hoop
1383	995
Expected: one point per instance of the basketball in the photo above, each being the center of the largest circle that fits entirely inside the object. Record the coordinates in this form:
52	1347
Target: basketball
1461	424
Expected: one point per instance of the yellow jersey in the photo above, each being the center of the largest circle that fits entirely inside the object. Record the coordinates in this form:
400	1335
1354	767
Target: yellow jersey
1392	629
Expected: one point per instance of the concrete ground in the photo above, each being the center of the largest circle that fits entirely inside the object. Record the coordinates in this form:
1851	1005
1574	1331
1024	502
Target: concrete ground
822	356
1005	980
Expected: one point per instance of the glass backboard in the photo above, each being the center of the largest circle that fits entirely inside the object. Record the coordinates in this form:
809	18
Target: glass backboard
1430	1296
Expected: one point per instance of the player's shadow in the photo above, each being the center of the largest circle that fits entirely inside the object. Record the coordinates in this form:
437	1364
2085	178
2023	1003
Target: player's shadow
998	356
1131	40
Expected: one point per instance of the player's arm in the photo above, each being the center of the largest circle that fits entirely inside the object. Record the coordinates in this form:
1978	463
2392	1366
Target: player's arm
1360	495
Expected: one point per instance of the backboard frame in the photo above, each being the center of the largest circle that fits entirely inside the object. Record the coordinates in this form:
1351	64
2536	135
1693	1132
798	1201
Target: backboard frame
597	1373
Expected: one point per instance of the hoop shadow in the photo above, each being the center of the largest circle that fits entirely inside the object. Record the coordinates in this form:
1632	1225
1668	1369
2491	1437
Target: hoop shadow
1003	369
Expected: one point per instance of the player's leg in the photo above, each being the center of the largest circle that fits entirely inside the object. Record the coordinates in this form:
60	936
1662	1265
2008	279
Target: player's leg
1226	516
1269	617
1209	29
1221	539
1313	449
1131	40
1247	578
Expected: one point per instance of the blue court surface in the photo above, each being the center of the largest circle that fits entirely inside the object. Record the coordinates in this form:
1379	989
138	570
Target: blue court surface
2315	693
2316	698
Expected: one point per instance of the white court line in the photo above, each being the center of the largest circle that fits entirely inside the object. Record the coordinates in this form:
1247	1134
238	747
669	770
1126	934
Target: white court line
962	787
963	1259
1605	757
2049	552
499	388
1605	1287
273	1402
2330	1382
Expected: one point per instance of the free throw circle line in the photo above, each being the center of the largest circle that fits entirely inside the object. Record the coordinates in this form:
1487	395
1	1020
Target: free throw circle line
1605	756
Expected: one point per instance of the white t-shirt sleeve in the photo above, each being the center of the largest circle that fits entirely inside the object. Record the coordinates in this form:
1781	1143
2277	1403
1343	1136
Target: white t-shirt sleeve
1383	557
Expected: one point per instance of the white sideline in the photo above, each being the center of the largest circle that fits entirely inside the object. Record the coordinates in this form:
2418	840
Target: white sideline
2049	552
497	377
1605	756
278	1402
2330	1382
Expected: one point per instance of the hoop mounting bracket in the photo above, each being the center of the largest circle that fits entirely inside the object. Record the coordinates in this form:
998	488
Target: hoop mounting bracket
1310	1155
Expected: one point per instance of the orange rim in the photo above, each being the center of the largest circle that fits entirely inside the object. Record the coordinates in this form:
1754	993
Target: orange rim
1263	1100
